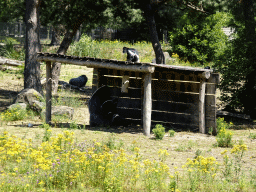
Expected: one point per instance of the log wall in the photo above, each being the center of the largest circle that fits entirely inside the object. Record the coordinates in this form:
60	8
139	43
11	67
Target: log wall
175	96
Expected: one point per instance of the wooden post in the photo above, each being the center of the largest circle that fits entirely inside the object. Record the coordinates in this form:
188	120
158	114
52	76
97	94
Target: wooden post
147	104
48	113
204	76
95	80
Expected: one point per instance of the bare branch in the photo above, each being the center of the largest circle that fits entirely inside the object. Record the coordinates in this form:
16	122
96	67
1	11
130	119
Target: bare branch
200	9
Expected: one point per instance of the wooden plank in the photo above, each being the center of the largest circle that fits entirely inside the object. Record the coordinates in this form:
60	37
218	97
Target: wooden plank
95	80
147	104
129	113
162	73
127	102
48	113
215	78
176	86
163	106
101	77
202	106
177	126
175	117
163	67
211	111
166	95
169	106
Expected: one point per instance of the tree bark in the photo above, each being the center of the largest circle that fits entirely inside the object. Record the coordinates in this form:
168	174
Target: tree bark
32	67
55	36
56	67
78	34
149	13
250	24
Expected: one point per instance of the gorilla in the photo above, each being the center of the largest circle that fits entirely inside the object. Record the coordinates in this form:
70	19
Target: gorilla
79	81
132	54
103	109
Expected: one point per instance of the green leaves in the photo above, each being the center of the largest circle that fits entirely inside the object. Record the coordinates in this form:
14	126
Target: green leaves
200	39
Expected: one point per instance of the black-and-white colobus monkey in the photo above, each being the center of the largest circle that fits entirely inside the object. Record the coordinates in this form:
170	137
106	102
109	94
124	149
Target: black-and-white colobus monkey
132	54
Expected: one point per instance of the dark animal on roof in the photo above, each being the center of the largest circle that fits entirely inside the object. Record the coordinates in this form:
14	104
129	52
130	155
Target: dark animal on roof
79	81
132	54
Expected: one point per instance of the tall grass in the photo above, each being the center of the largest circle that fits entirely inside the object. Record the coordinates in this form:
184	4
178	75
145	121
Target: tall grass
109	49
10	52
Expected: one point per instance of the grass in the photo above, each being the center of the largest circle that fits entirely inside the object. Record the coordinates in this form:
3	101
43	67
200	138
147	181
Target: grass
175	170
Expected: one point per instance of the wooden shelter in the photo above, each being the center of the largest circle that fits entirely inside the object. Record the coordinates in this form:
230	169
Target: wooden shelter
181	97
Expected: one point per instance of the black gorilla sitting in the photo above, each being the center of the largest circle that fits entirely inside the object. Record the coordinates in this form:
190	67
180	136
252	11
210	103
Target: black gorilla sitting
132	54
102	108
79	81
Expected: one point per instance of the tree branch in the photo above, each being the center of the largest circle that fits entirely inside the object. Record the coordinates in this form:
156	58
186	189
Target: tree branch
199	9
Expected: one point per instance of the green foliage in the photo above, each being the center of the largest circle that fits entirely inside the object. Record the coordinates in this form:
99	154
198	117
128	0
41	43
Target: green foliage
47	132
112	143
224	136
200	39
234	66
85	47
252	136
159	131
73	125
171	133
109	49
9	51
14	114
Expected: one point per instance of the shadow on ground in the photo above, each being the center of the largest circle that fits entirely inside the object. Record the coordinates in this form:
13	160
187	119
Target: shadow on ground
6	98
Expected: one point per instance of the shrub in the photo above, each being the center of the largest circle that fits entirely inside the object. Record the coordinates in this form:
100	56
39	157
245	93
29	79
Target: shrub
9	51
171	133
224	136
252	136
85	47
159	131
14	114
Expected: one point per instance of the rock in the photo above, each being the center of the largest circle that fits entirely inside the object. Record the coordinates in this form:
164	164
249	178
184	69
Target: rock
30	125
43	82
20	105
32	98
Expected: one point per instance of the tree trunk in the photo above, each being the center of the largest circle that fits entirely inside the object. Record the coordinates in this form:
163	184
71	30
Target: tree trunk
62	50
78	34
32	67
250	24
55	36
149	13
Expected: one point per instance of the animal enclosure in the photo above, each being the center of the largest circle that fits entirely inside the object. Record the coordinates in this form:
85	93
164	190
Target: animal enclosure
177	96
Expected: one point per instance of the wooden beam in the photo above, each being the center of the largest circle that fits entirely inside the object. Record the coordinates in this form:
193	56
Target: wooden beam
204	76
11	62
147	104
100	64
48	114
